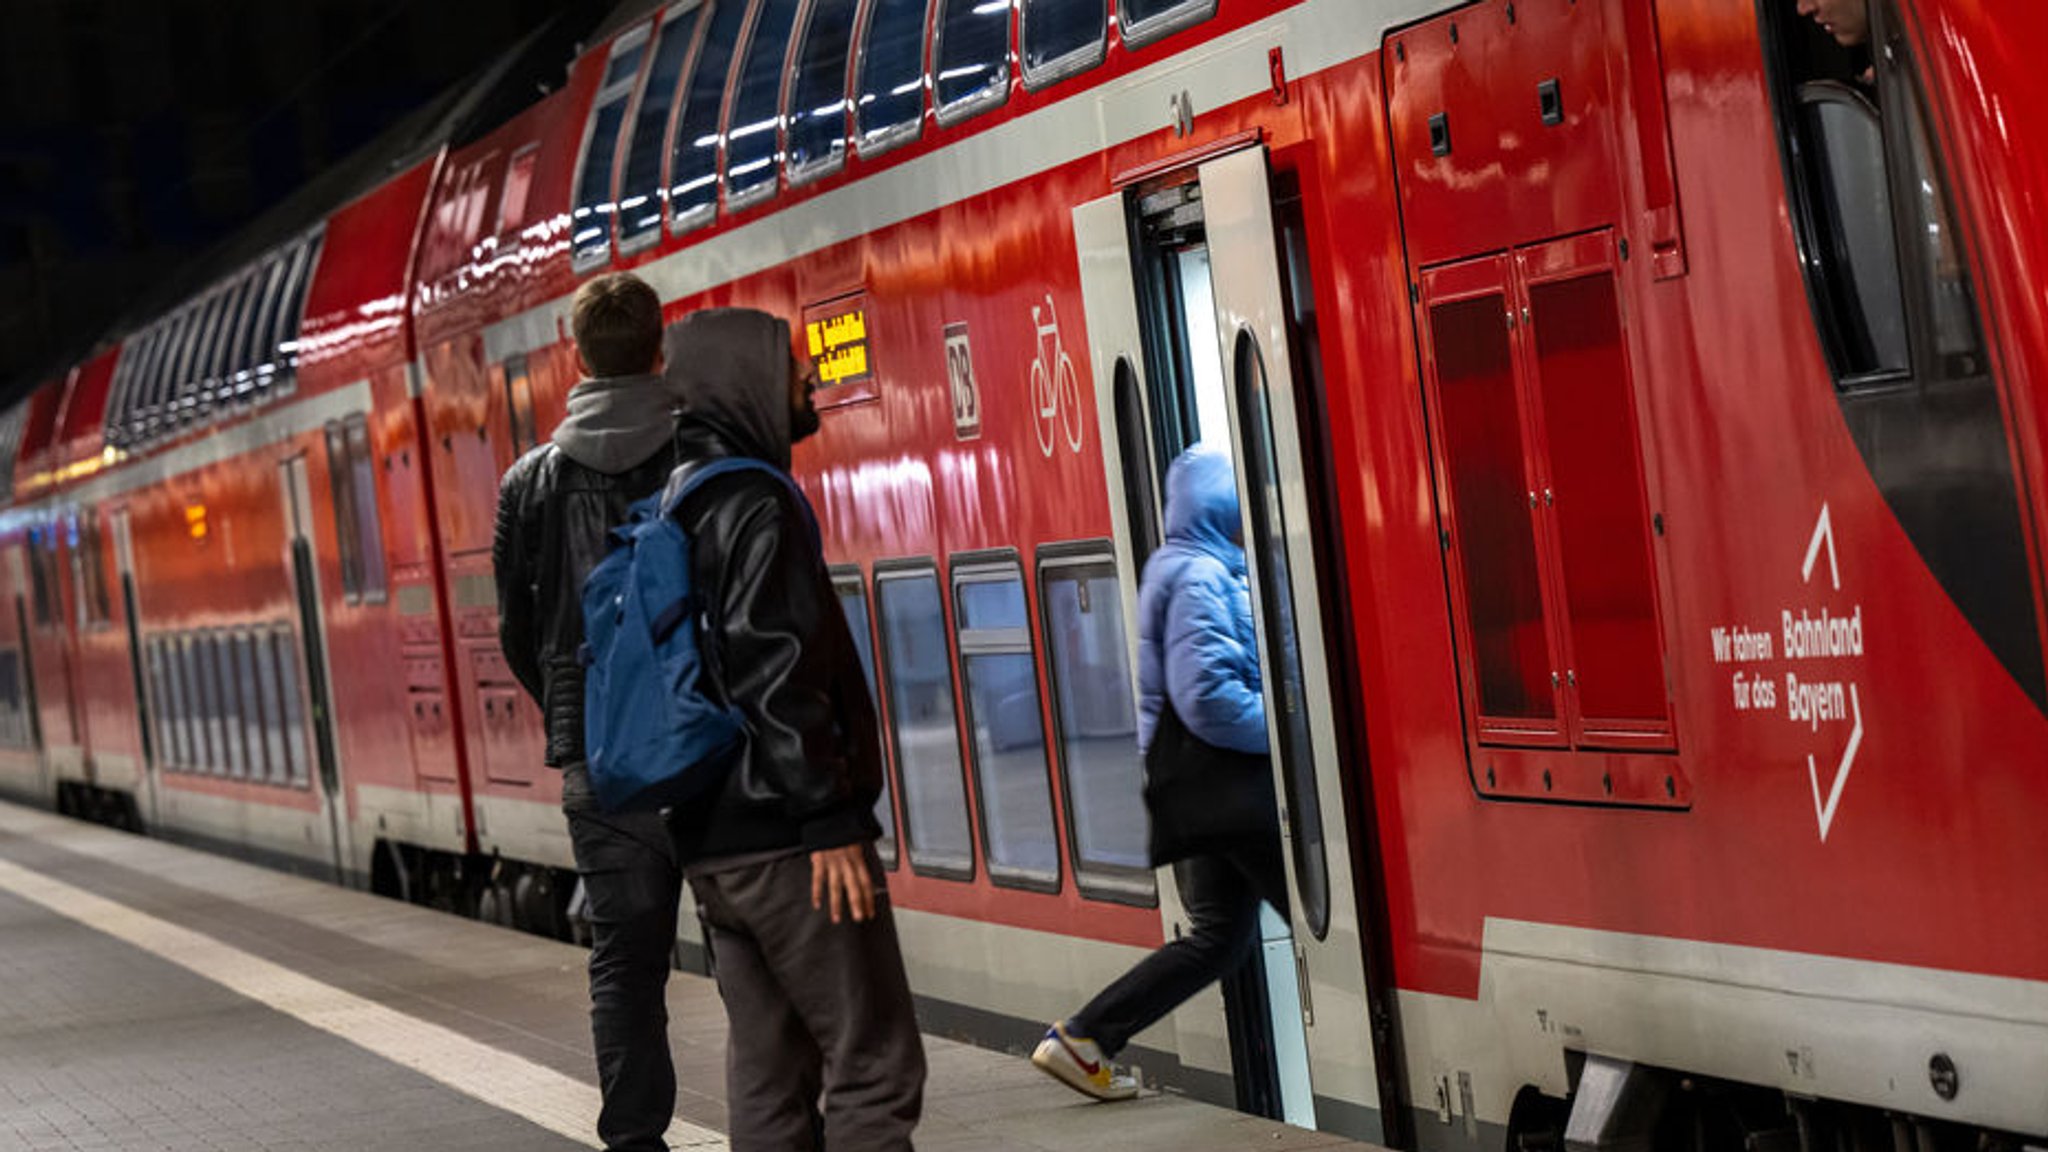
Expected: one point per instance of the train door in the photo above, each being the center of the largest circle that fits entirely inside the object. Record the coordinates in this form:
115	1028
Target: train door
145	706
298	501
18	569
1189	331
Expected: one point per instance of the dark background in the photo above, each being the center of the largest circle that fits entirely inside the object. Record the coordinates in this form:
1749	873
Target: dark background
136	135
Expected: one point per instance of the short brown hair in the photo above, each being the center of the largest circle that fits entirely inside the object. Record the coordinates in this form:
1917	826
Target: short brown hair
616	320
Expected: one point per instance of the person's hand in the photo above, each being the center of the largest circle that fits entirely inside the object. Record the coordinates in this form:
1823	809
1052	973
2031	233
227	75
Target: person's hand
841	875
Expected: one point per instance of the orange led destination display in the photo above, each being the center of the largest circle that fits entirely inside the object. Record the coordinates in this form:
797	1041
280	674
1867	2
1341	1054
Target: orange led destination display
837	335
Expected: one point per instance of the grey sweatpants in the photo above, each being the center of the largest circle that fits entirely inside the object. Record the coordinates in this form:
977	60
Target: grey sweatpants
820	1014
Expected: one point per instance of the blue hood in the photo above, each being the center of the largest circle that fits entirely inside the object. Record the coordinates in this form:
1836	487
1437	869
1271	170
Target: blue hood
1201	504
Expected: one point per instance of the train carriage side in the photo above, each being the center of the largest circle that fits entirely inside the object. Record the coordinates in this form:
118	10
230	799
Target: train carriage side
1695	592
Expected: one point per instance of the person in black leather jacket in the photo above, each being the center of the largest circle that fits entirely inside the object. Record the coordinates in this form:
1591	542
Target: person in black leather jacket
781	858
556	506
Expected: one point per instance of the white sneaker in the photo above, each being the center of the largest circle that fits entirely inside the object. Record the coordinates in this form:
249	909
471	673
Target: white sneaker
1079	1064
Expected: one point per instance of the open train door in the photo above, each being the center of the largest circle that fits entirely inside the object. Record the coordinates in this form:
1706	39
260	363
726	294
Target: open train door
298	500
1189	338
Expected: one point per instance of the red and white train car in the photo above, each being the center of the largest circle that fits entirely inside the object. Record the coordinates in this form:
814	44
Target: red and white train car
1635	411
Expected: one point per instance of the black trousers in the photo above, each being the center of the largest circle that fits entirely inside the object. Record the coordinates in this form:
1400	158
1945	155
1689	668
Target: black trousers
820	1013
631	879
1221	894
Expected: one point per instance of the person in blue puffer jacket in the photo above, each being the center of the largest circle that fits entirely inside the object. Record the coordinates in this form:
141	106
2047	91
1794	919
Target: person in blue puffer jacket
1197	650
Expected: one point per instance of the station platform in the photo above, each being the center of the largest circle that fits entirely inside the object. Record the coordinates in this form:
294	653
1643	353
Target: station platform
155	997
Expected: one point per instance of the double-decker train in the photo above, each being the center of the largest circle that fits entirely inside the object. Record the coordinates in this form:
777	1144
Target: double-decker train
1620	393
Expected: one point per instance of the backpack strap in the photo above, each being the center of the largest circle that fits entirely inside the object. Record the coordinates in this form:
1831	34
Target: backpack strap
700	473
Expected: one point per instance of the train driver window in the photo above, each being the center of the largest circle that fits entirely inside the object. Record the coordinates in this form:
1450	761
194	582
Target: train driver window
1062	38
888	103
1890	292
817	96
971	57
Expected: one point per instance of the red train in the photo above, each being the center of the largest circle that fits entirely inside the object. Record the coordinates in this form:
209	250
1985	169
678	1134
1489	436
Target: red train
1637	408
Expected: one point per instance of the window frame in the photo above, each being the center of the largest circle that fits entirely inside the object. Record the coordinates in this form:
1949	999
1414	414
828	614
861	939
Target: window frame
911	568
764	190
799	175
1139	33
1000	566
845	578
622	91
1138	886
986	98
1063	67
687	10
868	144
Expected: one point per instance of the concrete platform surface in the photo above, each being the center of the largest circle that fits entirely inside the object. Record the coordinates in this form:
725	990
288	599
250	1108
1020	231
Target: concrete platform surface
153	997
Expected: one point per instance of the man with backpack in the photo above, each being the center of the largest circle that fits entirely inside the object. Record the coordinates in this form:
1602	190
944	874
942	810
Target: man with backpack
556	507
780	853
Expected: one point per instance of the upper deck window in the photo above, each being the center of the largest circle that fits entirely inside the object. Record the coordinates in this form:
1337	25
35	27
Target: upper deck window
591	221
1144	21
693	162
753	136
971	56
816	117
1062	38
889	102
640	192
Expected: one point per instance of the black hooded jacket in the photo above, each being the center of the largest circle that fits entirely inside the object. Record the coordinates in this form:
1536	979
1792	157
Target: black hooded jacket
810	769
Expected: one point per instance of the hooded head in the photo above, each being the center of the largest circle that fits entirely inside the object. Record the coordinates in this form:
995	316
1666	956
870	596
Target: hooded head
736	375
1201	502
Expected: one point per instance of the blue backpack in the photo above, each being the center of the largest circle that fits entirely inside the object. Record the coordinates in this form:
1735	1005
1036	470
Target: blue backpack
652	734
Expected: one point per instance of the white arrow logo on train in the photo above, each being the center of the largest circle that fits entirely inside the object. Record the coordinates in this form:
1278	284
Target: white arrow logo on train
1824	811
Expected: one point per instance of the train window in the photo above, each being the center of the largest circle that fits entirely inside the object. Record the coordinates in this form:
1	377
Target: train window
1088	652
970	58
853	601
918	665
249	708
195	706
254	352
1859	265
693	158
228	717
195	382
1491	530
160	701
341	489
519	406
13	701
640	192
1144	21
176	657
285	338
1006	724
267	682
42	546
816	117
753	137
286	649
234	368
94	605
590	221
206	648
368	525
888	105
1955	345
1062	38
1141	499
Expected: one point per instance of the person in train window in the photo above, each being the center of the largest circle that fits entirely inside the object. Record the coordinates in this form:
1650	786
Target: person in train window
1848	21
781	856
1209	787
556	506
